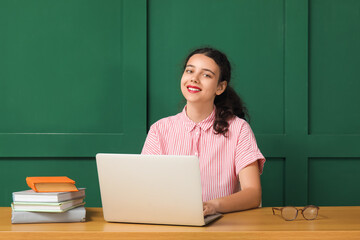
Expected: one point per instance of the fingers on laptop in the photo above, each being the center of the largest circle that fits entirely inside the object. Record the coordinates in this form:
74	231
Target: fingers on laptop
208	209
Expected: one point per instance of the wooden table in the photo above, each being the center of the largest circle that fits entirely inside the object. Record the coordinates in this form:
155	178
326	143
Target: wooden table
332	223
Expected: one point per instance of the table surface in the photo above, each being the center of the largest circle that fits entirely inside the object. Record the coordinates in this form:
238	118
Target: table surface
332	223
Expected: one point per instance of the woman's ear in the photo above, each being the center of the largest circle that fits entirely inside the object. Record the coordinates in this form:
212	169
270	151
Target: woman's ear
221	87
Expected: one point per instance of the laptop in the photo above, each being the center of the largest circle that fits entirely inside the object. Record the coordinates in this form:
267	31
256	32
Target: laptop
152	189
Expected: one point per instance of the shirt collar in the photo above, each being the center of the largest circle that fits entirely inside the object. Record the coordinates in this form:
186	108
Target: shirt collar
204	124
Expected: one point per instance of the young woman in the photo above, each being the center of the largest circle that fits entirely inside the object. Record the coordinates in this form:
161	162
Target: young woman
212	126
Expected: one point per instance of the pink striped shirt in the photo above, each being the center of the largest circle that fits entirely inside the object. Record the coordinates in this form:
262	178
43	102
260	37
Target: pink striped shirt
221	158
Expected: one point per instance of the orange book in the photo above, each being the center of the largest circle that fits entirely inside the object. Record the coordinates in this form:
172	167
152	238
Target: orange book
51	184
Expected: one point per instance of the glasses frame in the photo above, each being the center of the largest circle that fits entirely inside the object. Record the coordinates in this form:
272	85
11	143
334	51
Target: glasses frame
297	211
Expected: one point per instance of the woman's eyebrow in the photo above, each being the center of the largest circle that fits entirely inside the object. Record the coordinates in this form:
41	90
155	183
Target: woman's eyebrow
189	65
209	70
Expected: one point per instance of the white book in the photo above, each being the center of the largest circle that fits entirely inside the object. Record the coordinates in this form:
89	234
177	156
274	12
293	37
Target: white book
74	215
47	207
32	196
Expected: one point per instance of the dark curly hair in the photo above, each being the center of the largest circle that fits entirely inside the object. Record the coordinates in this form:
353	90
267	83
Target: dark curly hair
228	104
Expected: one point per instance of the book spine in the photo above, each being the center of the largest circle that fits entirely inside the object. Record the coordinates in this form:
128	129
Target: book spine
74	215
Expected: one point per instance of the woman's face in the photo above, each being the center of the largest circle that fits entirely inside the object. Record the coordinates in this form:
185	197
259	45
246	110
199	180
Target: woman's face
200	80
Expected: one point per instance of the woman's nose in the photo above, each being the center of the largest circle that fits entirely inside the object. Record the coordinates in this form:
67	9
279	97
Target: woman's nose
194	79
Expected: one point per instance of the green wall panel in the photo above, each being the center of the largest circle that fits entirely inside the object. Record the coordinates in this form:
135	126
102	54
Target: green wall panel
334	67
334	181
273	183
81	170
59	63
66	70
250	32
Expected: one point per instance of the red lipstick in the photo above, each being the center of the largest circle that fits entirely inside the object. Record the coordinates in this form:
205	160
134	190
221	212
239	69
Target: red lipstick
193	89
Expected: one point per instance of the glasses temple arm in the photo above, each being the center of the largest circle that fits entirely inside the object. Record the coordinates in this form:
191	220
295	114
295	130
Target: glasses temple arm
273	210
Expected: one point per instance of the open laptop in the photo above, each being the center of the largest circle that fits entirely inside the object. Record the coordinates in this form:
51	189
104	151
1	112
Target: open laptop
154	189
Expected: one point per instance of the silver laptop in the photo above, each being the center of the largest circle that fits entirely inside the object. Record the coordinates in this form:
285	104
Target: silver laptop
154	189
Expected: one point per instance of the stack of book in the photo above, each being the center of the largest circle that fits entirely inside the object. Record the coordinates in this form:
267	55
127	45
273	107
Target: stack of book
51	199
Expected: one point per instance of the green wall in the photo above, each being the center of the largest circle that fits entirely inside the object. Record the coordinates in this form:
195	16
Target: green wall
85	76
72	84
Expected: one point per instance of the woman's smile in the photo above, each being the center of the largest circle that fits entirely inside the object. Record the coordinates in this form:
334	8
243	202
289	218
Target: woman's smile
193	89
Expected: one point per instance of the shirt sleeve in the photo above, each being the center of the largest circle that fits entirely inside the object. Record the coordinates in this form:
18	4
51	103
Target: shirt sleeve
152	143
247	150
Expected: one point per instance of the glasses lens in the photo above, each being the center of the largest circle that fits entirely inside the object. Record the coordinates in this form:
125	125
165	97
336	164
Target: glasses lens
289	213
310	213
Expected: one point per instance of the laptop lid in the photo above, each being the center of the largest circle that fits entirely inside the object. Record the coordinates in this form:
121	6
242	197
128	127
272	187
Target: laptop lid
155	189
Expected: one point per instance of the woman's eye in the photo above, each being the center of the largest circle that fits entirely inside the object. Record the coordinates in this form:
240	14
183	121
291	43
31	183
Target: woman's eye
188	71
207	75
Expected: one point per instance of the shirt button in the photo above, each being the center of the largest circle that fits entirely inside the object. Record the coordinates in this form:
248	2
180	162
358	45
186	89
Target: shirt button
196	154
197	133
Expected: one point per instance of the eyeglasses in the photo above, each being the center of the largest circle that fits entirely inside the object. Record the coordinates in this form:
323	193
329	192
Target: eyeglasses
290	213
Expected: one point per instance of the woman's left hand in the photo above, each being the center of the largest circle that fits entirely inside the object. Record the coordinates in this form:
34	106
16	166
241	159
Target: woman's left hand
209	208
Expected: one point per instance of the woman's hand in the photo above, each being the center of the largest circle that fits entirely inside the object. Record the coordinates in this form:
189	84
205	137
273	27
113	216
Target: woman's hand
209	208
249	196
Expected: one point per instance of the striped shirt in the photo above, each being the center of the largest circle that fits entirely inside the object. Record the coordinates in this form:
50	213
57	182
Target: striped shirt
220	158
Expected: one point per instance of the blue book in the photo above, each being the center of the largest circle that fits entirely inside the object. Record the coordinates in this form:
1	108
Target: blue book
74	215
